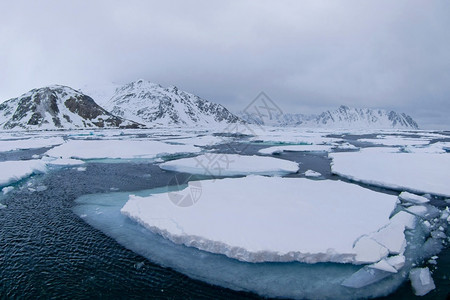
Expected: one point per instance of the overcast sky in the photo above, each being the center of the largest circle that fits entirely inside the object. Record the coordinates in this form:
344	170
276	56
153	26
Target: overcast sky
308	56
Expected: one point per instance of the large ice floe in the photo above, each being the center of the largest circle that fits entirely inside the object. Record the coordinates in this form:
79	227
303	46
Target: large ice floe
249	219
218	164
12	171
118	149
415	172
281	237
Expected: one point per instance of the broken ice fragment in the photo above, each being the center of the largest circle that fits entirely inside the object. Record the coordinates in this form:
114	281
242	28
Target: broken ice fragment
412	198
421	281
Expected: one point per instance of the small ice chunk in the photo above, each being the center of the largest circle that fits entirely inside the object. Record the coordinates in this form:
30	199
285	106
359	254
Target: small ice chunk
364	277
421	281
409	197
397	261
368	250
7	189
2	206
384	266
311	173
81	169
438	234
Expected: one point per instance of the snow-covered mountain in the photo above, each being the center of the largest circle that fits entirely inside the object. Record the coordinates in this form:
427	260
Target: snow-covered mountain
151	104
343	117
57	107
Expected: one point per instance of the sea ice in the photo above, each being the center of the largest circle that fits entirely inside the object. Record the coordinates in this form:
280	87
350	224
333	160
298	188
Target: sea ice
296	148
254	218
412	198
384	266
311	173
419	173
29	143
12	171
121	149
218	164
7	189
421	281
392	140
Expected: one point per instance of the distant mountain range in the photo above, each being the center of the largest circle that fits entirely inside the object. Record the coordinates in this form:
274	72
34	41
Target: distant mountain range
142	104
343	117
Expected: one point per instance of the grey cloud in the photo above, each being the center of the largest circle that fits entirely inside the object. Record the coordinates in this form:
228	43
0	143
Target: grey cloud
307	55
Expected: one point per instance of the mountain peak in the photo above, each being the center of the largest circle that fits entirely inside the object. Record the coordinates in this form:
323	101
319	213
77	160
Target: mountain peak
151	104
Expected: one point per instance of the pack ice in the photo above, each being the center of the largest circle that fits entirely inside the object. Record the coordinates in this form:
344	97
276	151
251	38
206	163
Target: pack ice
273	219
117	149
218	164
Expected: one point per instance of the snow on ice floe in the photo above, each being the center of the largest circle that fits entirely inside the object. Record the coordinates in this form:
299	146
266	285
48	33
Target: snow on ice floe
218	164
291	135
438	147
117	149
29	143
296	148
326	218
12	171
313	174
395	140
414	172
201	141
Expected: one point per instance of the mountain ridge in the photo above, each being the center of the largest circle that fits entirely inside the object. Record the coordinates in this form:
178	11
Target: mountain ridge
57	107
152	104
342	117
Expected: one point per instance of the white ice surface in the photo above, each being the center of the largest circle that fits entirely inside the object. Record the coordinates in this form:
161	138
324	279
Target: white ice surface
260	219
296	148
216	164
120	149
392	140
7	189
29	143
12	171
419	173
311	173
421	281
384	266
412	198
